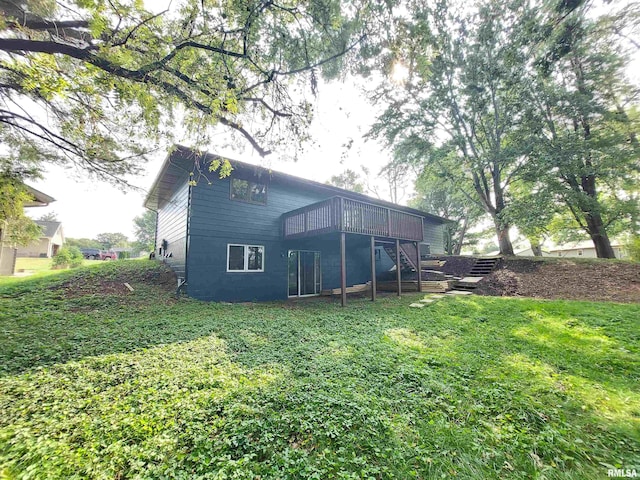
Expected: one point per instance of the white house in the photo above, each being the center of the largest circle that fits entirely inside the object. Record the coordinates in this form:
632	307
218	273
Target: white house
585	249
48	244
8	252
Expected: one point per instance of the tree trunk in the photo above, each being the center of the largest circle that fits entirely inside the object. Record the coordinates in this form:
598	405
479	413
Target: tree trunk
599	236
536	248
457	248
506	248
504	241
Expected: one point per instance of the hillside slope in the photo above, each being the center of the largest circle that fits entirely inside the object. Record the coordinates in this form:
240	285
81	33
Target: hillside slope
571	279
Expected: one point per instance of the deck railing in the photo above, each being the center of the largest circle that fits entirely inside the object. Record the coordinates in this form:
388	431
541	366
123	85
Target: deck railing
340	214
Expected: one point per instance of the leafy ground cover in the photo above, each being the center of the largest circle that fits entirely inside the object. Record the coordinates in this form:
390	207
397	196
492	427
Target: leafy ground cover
100	382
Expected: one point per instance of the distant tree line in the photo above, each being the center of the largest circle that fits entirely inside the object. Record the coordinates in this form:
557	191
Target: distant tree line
144	229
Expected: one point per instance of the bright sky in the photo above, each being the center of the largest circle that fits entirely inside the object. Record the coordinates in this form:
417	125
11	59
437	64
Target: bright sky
88	207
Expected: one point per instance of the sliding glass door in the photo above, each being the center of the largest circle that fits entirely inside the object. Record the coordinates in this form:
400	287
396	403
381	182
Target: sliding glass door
304	273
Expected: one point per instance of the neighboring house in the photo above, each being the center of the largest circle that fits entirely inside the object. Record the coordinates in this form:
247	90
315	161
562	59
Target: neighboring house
8	253
265	235
48	244
528	252
585	249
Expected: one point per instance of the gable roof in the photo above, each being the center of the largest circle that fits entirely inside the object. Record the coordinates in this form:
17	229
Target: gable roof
49	229
39	199
180	163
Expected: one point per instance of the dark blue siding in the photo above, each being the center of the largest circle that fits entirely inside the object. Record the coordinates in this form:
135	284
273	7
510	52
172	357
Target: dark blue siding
433	236
217	221
172	227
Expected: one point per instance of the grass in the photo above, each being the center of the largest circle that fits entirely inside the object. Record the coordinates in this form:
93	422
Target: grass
37	267
96	382
32	263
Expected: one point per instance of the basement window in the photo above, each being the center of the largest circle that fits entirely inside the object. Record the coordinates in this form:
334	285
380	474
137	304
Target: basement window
245	258
248	191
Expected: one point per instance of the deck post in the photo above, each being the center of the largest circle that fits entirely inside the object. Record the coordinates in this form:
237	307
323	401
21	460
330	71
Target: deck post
398	268
343	268
419	267
373	269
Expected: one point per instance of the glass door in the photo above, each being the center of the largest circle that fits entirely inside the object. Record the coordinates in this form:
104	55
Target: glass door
293	273
304	273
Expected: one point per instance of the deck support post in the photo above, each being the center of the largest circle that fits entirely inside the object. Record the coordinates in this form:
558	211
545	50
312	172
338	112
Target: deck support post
398	267
419	267
373	269
343	268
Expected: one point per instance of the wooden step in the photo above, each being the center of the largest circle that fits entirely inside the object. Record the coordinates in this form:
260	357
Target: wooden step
412	286
360	287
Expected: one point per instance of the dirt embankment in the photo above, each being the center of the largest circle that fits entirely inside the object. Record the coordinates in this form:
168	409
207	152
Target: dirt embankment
555	278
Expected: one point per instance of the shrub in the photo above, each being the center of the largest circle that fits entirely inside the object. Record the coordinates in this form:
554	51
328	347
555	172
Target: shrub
124	255
68	257
633	248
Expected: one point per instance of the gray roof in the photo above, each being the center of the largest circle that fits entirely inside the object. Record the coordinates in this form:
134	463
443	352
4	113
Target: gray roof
39	199
180	162
49	229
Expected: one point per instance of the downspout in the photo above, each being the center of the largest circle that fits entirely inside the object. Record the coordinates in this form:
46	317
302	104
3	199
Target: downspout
183	283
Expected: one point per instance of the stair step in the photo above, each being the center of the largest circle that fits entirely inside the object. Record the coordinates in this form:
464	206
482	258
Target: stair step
466	287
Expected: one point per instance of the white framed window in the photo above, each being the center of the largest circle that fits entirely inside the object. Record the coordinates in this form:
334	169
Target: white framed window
245	258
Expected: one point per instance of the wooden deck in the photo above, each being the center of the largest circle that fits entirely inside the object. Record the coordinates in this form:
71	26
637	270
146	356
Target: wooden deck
340	214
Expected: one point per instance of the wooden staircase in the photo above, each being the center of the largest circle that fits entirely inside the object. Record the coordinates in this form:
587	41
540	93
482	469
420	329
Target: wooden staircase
480	269
407	255
483	267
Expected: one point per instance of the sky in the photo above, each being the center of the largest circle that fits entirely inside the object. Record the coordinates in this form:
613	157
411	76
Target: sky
87	207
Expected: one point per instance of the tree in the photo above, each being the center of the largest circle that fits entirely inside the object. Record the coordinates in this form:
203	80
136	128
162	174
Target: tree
97	84
533	212
461	98
111	240
521	94
395	173
145	230
587	147
16	229
349	180
49	217
436	195
83	243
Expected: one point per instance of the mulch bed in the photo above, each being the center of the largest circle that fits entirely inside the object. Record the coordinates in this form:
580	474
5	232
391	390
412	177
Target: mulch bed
564	279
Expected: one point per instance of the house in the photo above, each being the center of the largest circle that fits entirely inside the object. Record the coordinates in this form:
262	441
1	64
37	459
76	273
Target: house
265	235
8	251
48	244
585	249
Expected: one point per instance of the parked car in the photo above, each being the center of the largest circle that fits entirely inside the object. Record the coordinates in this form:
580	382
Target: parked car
97	254
108	255
90	253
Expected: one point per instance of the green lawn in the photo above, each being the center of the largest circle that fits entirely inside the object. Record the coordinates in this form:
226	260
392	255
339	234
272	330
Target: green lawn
99	383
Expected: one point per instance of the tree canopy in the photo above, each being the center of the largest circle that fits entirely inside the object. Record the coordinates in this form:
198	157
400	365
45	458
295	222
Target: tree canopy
97	83
349	180
523	107
111	240
145	230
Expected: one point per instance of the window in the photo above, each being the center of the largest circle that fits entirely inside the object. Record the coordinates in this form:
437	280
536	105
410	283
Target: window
245	258
247	191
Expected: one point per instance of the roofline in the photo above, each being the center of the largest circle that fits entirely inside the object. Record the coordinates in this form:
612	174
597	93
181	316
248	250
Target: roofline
42	199
290	178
